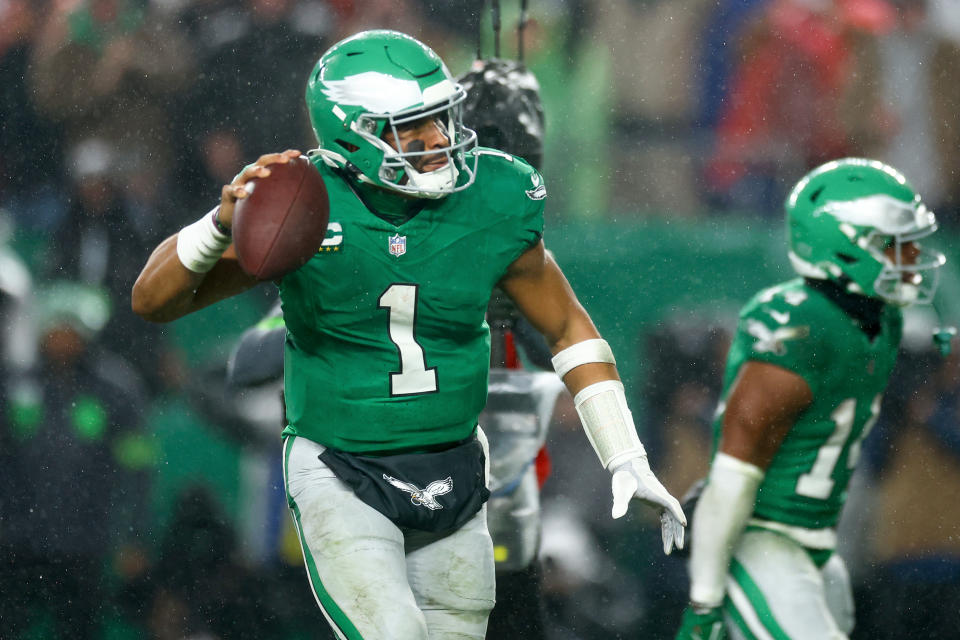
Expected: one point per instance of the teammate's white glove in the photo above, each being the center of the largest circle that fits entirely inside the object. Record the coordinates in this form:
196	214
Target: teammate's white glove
634	479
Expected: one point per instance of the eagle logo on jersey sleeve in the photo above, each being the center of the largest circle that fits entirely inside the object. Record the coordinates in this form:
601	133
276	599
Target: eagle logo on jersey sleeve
423	497
771	340
539	190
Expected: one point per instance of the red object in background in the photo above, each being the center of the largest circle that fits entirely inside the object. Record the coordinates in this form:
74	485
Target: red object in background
873	16
343	9
786	95
543	466
510	356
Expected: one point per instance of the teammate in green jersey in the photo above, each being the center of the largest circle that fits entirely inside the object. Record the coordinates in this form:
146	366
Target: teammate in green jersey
387	350
804	378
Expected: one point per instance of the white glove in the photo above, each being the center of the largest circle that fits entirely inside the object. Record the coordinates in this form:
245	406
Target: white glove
634	479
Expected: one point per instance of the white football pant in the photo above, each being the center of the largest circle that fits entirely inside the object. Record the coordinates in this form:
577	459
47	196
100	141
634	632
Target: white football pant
778	593
374	581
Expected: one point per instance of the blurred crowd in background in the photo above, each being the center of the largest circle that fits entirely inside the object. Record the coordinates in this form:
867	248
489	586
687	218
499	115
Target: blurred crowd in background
127	465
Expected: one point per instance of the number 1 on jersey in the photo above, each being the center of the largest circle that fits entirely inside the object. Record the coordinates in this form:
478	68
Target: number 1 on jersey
413	377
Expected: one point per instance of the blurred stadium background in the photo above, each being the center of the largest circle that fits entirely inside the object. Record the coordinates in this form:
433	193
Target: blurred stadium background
674	129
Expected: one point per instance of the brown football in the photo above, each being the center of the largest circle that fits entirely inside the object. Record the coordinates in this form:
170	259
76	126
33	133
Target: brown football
281	224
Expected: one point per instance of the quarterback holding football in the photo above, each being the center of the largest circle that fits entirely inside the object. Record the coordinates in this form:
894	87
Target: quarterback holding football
387	352
802	388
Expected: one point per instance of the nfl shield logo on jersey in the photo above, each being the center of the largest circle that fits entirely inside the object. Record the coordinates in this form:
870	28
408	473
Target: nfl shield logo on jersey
398	245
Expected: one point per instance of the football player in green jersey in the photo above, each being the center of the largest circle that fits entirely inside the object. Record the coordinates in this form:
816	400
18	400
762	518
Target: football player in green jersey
804	378
387	351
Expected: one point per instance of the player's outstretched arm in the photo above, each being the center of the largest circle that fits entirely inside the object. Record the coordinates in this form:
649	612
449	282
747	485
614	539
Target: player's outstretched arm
761	409
197	266
585	363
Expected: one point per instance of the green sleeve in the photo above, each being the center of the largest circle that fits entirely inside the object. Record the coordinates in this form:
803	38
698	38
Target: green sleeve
535	196
531	194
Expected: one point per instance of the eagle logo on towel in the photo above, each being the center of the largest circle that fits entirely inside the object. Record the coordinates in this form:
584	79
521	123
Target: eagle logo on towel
425	497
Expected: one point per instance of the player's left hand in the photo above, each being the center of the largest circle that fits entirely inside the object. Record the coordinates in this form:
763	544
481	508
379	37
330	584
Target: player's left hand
706	624
634	479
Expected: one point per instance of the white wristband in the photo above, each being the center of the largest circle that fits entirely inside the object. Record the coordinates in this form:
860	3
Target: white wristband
585	352
200	245
720	517
608	422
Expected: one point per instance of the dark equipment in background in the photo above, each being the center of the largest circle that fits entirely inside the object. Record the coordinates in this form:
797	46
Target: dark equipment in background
503	106
503	98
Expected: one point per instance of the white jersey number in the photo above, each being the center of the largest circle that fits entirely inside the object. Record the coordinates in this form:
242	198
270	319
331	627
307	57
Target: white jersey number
818	483
414	377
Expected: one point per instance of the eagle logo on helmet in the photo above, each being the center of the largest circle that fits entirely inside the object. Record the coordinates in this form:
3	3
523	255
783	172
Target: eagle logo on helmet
377	92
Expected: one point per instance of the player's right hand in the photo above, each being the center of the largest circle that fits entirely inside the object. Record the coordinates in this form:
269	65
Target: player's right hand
236	189
701	624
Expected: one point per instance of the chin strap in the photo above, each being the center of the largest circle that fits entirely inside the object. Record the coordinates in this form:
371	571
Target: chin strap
436	183
330	158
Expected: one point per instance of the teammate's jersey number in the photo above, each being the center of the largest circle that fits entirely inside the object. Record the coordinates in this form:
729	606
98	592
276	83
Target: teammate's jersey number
818	482
414	377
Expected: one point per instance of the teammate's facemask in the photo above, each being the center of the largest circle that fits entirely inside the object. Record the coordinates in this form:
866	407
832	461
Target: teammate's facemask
380	81
849	221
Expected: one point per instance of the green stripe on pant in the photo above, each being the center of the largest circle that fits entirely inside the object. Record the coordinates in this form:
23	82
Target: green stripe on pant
757	601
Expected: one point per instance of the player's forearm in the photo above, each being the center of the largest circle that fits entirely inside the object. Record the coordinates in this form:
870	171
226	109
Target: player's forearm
188	272
720	517
583	376
165	289
589	371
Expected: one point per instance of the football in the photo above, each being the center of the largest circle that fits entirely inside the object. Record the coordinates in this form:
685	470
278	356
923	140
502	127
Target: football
281	224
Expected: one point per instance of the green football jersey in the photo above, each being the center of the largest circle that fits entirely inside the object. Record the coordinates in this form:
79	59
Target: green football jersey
797	327
387	345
